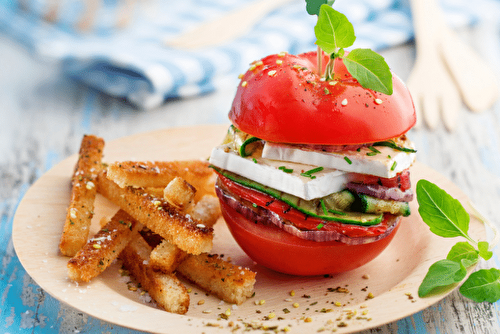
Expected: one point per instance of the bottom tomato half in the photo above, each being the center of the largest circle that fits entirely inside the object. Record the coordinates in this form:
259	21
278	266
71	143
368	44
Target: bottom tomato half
270	246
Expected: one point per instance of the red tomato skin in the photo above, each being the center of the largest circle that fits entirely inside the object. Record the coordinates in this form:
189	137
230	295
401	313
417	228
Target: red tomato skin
284	100
280	251
401	181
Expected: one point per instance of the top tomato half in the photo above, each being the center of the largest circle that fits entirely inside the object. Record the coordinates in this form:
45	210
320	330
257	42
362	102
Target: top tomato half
282	98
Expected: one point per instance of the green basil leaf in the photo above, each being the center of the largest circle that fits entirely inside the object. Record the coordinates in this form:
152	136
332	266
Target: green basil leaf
444	215
484	250
465	253
313	6
441	274
333	30
482	285
370	69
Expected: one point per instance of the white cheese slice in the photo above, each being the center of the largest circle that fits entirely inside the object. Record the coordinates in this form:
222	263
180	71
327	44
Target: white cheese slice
267	172
386	164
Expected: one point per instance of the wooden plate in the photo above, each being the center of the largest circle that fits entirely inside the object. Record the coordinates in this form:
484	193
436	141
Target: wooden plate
392	278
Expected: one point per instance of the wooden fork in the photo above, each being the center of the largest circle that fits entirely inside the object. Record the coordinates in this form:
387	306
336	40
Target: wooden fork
434	92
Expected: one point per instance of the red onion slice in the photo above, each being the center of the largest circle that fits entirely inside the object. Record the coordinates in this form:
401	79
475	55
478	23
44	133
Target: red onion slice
264	216
381	192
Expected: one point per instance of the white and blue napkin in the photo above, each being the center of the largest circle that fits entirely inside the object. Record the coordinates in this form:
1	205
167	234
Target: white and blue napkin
132	61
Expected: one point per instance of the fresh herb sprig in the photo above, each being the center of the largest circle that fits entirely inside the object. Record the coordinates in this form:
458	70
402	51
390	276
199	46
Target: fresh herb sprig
334	33
446	217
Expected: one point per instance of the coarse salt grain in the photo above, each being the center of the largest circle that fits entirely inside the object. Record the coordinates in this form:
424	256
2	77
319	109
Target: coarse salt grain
344	102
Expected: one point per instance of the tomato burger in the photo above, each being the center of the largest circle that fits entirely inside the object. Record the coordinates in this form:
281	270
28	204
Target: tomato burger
313	175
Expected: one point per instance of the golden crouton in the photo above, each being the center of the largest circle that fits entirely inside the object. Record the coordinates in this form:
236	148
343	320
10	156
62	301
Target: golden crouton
101	250
179	193
166	289
159	216
166	257
83	191
231	283
206	210
158	174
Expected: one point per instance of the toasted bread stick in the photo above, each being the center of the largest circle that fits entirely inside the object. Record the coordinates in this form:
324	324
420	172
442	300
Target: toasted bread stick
179	193
229	282
83	192
165	256
166	289
102	249
158	174
159	216
206	210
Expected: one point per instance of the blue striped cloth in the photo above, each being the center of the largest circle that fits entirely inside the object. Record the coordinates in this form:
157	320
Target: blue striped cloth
133	62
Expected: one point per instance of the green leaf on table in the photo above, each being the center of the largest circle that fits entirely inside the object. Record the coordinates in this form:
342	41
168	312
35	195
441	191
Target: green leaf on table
484	250
463	252
333	30
441	274
482	285
444	215
313	6
370	69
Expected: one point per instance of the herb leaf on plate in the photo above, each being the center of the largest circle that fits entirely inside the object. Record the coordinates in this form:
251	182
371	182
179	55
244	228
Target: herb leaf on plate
441	274
484	250
482	285
463	252
446	217
444	214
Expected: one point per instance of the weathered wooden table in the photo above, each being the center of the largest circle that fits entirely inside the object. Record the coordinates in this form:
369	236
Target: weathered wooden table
43	116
